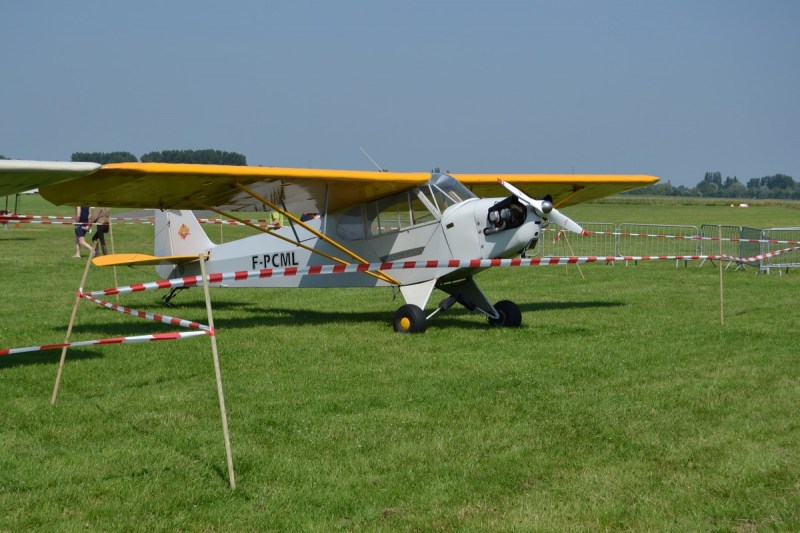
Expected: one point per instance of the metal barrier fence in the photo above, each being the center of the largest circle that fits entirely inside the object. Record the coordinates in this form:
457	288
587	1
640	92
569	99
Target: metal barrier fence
608	239
681	241
556	242
733	248
630	239
784	261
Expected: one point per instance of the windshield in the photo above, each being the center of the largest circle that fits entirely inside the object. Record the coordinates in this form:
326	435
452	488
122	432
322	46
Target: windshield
421	205
446	191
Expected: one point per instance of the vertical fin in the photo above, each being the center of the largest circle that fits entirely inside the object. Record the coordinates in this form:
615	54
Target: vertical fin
178	233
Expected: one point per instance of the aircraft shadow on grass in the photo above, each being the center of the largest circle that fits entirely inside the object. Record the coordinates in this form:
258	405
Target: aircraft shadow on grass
257	316
47	357
282	316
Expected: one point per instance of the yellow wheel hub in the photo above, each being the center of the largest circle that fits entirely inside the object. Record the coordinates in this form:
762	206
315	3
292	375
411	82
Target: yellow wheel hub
405	323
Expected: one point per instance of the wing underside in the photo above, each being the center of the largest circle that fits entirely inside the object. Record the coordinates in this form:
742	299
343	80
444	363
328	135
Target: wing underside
18	176
566	189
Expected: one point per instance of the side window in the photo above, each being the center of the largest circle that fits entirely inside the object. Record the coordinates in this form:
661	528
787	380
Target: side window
351	225
386	215
419	210
390	214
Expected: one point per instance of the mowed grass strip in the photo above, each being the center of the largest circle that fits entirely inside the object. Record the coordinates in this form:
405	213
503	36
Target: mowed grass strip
621	403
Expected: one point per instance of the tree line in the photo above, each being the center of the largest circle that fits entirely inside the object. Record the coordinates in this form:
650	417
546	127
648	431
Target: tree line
779	186
201	157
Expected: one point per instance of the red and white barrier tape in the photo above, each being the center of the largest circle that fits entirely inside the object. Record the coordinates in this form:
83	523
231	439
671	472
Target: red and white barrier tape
155	317
20	218
56	220
37	217
117	340
192	281
684	237
235	222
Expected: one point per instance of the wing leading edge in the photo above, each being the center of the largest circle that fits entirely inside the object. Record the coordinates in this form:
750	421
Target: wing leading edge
187	186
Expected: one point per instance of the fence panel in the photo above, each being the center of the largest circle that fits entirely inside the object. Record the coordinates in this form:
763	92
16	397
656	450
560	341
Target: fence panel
556	242
783	261
732	248
682	241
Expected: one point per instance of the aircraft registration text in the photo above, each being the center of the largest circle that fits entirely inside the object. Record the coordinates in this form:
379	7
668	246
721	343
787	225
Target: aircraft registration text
280	259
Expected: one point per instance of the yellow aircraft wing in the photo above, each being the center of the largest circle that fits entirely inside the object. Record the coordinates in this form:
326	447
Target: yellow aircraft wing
141	259
566	189
186	186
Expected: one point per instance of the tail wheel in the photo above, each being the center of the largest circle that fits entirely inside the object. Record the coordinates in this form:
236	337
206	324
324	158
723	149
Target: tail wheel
410	319
510	315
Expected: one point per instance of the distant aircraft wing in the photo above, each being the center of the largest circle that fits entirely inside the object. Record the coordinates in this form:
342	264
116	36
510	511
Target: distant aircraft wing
18	176
566	189
141	260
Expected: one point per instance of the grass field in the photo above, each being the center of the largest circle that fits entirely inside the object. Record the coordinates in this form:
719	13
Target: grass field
621	403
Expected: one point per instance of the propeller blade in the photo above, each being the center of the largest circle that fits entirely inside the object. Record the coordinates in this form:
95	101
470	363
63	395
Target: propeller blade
565	222
545	209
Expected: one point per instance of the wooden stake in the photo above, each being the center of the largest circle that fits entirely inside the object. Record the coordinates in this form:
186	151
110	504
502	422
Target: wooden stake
572	253
69	327
111	236
218	375
721	313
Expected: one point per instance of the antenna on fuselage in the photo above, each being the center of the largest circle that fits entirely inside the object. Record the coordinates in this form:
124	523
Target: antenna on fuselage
373	161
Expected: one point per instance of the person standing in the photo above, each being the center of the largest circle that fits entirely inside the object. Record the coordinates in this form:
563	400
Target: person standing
101	218
81	229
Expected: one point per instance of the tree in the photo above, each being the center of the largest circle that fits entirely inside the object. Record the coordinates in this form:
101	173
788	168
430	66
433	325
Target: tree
707	188
104	158
778	181
204	157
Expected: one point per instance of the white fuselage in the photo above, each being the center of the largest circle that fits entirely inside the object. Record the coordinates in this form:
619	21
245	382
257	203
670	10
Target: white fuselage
458	233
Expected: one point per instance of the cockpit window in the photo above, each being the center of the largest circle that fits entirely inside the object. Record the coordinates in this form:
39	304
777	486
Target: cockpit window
446	191
421	205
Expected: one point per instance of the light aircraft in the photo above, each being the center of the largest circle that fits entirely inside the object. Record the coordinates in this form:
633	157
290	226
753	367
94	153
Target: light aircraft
363	217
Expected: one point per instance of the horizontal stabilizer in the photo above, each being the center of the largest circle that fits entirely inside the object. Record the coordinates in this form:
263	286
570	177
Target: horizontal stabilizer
141	259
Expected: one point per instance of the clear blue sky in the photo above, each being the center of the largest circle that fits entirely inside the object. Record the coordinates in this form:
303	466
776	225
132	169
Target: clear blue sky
669	88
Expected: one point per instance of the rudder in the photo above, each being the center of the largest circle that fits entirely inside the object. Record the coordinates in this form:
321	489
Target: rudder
179	233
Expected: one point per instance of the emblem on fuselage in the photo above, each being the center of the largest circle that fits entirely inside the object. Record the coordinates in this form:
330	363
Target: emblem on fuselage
183	232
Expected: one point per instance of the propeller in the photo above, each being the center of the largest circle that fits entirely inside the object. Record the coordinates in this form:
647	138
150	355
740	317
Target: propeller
545	209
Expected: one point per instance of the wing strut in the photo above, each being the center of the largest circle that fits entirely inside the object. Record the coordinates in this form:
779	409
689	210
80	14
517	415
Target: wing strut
378	274
575	191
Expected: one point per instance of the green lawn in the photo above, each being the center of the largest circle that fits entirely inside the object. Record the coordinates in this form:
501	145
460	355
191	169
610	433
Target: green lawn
621	403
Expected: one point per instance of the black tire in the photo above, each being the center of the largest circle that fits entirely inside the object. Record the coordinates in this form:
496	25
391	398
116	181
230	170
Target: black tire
510	315
410	319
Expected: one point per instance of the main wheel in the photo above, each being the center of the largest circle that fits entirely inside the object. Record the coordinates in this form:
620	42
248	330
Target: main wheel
410	319
510	315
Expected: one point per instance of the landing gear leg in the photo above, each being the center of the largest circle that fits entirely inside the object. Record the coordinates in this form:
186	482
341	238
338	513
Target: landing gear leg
172	293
